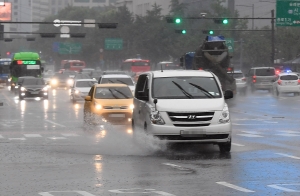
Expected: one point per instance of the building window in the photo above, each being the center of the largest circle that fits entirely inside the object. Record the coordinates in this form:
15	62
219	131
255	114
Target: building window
15	7
99	1
53	2
15	1
81	1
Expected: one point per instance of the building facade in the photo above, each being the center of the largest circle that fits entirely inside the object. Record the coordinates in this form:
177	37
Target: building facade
91	3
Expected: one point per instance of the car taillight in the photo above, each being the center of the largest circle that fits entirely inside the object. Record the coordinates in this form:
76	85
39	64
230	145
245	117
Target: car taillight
253	80
244	79
279	82
299	82
254	77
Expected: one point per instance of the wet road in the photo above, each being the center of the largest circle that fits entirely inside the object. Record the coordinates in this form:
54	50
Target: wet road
45	150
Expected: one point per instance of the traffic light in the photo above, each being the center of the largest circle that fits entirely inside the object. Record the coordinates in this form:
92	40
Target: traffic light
221	21
182	31
210	32
176	20
7	53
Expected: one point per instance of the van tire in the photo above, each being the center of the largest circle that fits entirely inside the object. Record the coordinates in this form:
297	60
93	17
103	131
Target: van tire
225	147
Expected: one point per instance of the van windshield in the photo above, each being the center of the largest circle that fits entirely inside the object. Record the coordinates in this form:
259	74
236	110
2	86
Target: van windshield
185	88
265	72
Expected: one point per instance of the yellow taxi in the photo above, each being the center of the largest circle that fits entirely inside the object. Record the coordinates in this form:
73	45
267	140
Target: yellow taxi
111	103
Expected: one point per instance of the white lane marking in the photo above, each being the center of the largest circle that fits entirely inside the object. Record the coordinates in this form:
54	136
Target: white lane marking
287	155
176	166
140	191
235	144
248	124
32	135
235	187
289	131
83	193
276	186
57	138
69	134
22	138
250	135
288	134
252	132
1	137
49	121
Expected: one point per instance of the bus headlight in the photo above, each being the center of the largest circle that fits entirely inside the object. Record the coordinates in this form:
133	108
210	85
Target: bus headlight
23	89
70	82
9	80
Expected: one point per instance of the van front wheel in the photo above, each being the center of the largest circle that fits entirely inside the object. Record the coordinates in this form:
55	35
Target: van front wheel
225	147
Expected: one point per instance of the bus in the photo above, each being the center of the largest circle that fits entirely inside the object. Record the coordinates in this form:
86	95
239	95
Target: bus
25	64
4	70
136	65
72	65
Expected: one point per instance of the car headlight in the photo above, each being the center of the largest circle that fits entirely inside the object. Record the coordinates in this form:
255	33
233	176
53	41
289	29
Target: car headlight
45	88
156	118
23	89
70	81
131	106
224	117
98	106
76	92
54	81
9	79
16	86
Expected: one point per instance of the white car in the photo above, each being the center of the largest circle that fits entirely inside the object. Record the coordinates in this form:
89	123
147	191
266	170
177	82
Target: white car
287	83
119	79
240	80
80	89
182	106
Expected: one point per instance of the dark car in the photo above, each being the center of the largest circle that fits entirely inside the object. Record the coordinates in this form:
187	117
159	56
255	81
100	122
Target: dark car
19	83
33	87
61	80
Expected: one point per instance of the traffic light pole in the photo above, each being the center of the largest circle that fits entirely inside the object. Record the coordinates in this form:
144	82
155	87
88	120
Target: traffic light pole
273	38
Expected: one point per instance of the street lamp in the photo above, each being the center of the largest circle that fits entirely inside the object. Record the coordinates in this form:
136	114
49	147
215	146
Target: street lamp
252	12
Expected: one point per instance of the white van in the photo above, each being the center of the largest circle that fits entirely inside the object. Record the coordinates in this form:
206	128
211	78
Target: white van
183	106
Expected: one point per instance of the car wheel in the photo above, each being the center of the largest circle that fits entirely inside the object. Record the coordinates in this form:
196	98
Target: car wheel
225	147
145	127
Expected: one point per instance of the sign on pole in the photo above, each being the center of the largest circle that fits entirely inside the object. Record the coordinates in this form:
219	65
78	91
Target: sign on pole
113	44
69	48
230	44
89	21
288	13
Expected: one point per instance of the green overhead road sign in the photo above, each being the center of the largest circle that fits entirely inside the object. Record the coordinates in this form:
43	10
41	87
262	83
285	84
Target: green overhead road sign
230	44
288	13
69	48
113	44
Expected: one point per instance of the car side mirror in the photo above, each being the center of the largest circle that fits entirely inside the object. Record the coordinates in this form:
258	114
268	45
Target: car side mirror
88	98
228	94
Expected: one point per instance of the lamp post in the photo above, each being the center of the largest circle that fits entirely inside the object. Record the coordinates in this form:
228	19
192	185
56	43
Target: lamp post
252	12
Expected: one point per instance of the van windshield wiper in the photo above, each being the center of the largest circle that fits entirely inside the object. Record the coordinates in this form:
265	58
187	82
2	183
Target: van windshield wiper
115	96
110	81
183	91
203	90
122	82
121	93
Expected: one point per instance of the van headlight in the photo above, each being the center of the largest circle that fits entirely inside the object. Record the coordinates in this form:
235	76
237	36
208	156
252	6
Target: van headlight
224	117
131	106
156	118
70	82
54	81
45	88
77	92
98	106
23	89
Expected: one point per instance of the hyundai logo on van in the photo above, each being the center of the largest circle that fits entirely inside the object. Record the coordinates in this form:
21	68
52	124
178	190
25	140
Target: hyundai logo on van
191	117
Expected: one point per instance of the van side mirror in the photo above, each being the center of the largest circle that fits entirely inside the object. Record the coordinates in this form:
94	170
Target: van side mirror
228	94
88	98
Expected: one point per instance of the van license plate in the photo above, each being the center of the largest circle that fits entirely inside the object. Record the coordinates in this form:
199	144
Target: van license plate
34	93
117	115
194	132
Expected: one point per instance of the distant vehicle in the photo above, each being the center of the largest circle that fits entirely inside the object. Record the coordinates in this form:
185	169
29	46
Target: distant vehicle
110	72
73	65
87	71
108	102
25	64
287	83
240	80
167	65
118	79
185	106
96	74
80	89
261	78
33	87
19	83
61	80
136	65
4	70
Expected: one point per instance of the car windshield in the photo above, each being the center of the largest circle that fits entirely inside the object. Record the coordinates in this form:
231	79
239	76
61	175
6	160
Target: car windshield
82	84
265	72
113	93
82	76
185	88
238	75
289	77
33	81
127	81
61	76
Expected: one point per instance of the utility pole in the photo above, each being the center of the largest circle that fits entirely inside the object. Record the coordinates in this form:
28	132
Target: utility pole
273	37
241	53
252	16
